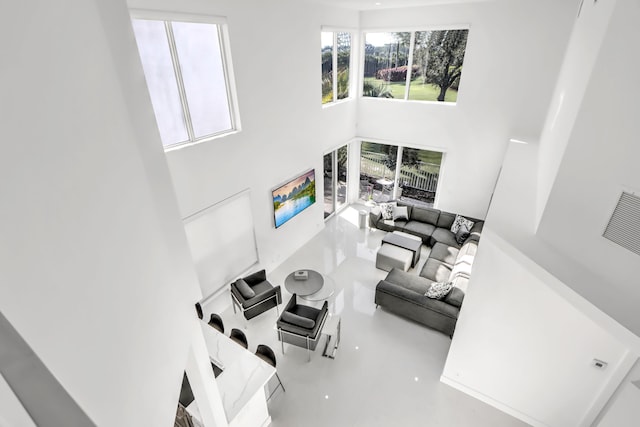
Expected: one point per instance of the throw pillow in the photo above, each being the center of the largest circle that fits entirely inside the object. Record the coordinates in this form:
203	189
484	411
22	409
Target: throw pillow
387	210
294	319
439	290
400	212
462	235
244	289
459	222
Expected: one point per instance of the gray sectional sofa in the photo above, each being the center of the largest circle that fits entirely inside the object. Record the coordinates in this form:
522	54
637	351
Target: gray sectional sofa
404	293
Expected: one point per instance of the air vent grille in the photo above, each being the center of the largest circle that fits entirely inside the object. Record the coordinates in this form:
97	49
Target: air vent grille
624	225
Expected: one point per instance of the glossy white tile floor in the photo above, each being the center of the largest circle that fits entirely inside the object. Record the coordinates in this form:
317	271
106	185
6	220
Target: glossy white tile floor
387	368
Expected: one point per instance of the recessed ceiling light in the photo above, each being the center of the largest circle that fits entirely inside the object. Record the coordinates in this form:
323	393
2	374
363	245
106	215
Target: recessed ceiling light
326	396
378	3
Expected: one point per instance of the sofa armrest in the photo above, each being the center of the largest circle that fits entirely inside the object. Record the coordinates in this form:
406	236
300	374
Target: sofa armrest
455	297
374	218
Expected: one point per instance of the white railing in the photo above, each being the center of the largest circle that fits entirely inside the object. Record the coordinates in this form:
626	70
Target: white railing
372	165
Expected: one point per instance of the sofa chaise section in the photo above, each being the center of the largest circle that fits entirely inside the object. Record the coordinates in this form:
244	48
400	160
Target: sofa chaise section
404	294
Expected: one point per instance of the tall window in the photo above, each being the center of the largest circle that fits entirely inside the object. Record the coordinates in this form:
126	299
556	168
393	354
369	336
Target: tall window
336	58
420	65
396	172
335	180
187	75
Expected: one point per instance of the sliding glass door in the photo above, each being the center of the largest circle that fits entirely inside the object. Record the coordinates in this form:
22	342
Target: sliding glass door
329	193
396	172
335	180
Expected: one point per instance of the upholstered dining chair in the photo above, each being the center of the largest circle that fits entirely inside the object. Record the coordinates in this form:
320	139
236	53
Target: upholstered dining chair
238	336
253	295
215	321
265	353
301	325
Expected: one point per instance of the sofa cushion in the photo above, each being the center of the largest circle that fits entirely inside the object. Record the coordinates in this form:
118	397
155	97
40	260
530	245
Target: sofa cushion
445	253
410	281
399	224
297	320
445	220
425	215
419	229
439	290
244	289
436	270
386	225
445	236
460	222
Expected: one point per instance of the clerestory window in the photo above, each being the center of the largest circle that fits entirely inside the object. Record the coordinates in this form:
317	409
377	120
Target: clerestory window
187	69
336	60
417	65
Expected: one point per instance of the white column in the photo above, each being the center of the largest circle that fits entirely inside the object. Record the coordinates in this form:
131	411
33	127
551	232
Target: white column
396	179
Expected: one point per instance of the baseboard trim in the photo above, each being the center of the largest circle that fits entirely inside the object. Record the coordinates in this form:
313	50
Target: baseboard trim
490	401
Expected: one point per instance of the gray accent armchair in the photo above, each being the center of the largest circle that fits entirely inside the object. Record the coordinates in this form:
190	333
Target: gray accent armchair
301	325
266	296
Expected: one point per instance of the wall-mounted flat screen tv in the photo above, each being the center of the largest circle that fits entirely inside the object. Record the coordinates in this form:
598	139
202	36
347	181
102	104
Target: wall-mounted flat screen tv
294	196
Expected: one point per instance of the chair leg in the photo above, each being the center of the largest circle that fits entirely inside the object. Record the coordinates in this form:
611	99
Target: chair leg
233	303
308	350
281	385
281	341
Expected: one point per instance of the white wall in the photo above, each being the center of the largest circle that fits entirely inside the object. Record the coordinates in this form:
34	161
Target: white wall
94	263
12	413
623	410
600	161
582	51
275	47
512	59
521	347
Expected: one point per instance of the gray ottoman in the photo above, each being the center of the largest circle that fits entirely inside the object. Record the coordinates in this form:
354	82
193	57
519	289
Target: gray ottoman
390	256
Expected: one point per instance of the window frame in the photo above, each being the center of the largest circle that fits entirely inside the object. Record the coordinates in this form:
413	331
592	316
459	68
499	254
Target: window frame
412	31
227	68
351	84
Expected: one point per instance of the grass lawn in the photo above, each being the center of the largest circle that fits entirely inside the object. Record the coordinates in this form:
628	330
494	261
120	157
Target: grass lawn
417	92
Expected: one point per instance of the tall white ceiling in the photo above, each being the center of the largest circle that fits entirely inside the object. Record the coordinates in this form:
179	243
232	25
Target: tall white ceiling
386	4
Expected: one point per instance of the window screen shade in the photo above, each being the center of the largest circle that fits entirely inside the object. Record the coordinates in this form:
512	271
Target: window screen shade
624	225
222	242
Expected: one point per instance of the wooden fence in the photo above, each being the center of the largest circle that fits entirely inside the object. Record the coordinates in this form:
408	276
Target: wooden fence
372	165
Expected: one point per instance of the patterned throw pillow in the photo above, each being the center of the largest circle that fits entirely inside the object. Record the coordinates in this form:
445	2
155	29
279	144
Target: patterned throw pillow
459	222
400	212
439	290
462	235
387	210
